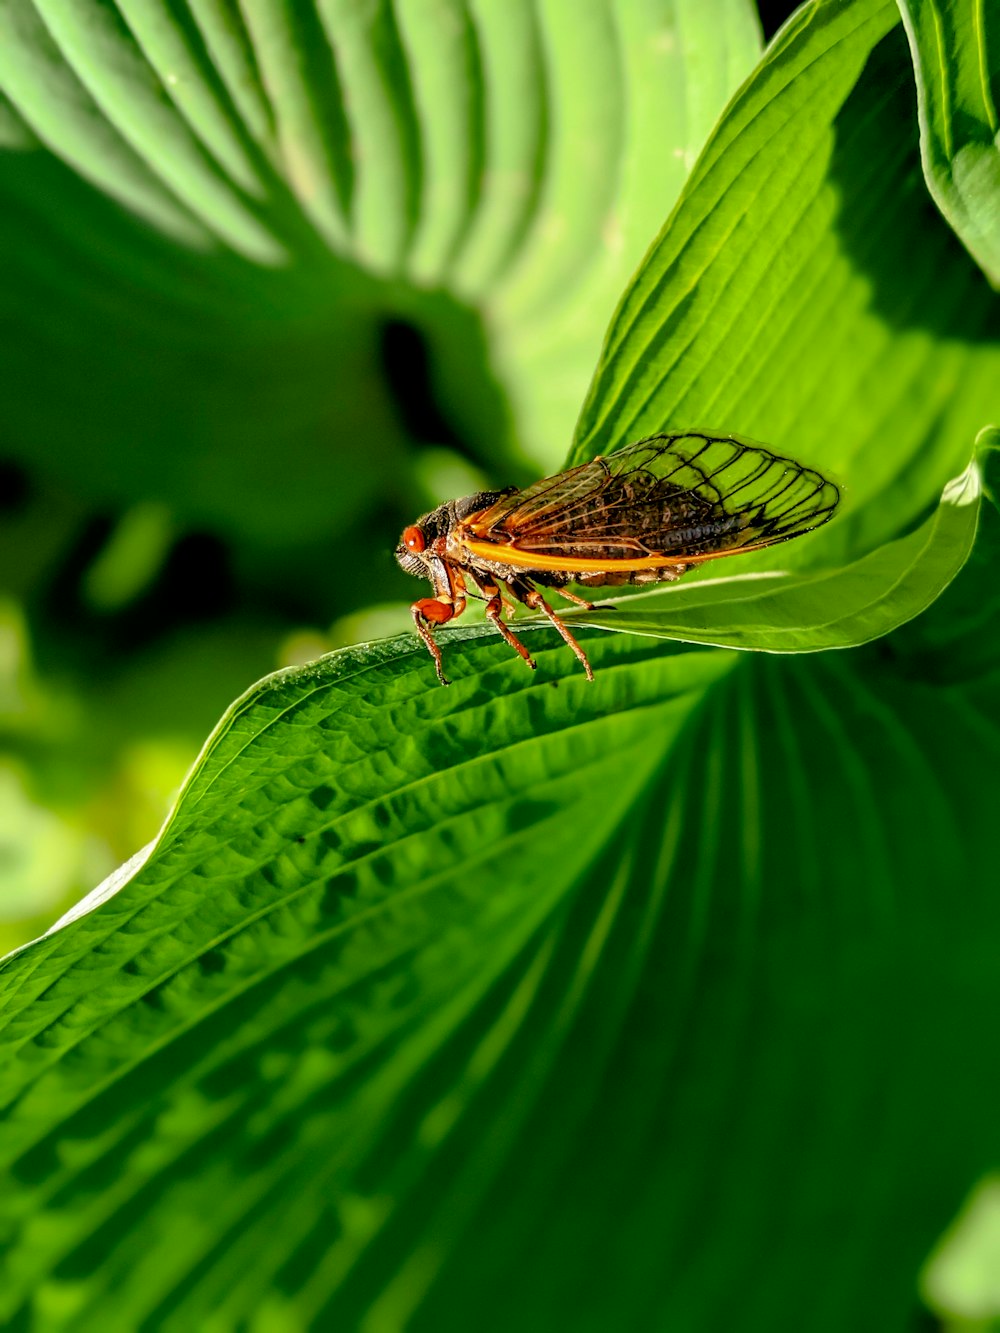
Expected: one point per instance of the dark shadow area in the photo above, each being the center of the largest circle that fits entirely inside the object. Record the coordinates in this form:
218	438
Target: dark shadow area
14	487
773	13
406	363
925	1322
920	274
918	280
195	584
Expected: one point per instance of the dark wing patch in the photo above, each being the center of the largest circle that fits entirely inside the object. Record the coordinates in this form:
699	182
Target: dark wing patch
679	495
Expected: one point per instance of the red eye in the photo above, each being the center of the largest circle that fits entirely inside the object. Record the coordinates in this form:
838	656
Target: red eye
414	539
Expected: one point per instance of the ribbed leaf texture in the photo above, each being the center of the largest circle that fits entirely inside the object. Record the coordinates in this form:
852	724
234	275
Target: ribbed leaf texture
956	57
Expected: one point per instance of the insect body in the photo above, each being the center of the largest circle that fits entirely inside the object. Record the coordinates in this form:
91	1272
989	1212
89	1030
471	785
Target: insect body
645	514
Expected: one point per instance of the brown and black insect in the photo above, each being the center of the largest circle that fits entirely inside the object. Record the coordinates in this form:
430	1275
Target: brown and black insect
645	514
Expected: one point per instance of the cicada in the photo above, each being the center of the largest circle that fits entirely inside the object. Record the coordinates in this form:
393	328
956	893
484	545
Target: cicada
646	513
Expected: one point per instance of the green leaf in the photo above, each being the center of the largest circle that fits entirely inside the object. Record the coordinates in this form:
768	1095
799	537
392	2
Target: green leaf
418	987
630	94
310	172
802	613
960	1278
300	921
955	47
958	639
800	293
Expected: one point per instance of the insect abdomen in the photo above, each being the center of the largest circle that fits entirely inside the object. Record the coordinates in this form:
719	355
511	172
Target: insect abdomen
621	577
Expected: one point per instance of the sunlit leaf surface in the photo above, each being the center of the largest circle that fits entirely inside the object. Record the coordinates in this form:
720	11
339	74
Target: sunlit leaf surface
774	302
269	273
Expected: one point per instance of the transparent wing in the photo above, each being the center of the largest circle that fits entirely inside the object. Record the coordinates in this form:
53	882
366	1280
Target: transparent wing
681	495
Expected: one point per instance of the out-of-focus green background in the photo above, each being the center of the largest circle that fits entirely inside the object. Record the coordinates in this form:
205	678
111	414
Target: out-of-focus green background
211	428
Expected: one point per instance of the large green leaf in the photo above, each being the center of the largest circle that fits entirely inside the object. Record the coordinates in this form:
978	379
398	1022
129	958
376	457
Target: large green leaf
955	46
420	987
775	302
310	172
384	955
958	639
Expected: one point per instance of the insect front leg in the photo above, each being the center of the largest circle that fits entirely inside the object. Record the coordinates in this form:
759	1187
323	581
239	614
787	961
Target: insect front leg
432	611
533	599
449	603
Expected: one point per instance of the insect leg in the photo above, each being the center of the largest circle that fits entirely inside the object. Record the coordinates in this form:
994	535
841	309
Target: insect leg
532	598
494	612
572	597
486	591
494	608
429	611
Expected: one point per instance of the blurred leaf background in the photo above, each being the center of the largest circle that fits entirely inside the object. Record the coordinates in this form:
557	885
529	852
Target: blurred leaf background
663	1002
274	284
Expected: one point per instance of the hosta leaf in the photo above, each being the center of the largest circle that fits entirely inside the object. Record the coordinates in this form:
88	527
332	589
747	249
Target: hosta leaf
635	90
310	172
418	987
959	1281
54	102
309	917
797	613
777	301
959	637
956	58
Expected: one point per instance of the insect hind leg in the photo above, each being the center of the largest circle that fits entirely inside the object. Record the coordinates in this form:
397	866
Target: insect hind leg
534	600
